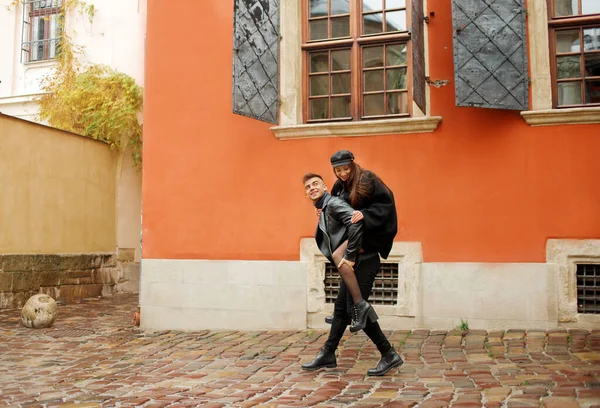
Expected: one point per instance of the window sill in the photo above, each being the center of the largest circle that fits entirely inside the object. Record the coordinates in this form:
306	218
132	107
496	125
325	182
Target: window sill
424	124
41	63
573	116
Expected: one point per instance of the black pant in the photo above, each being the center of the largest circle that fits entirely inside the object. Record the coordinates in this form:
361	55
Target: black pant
365	269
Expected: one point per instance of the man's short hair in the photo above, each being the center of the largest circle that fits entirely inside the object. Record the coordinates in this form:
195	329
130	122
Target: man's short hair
308	176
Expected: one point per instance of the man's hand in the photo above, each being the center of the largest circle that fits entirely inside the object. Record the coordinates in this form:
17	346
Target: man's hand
357	216
346	262
318	211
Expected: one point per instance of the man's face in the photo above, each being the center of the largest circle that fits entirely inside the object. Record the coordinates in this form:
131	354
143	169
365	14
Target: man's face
314	188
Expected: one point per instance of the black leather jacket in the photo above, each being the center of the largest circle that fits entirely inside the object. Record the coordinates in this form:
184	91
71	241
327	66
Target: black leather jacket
335	226
379	210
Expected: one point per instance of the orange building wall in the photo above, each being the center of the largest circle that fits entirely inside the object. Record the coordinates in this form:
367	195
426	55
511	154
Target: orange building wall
484	187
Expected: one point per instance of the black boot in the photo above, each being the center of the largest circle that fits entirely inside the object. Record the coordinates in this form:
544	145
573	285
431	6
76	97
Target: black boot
362	311
389	360
329	319
325	358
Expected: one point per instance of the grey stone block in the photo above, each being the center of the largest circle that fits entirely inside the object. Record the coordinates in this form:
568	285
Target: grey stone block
6	281
15	263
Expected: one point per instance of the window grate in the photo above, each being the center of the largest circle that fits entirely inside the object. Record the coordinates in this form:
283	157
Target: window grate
385	287
588	288
41	32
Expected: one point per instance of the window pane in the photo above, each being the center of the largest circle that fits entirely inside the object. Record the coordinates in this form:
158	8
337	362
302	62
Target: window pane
567	41
340	27
373	57
318	62
396	78
53	46
395	21
54	26
340	83
340	60
568	67
340	107
39	24
390	4
397	103
592	64
340	7
569	93
318	8
38	35
565	8
319	108
319	85
53	34
374	80
591	39
372	5
395	54
592	92
372	23
374	105
318	29
590	6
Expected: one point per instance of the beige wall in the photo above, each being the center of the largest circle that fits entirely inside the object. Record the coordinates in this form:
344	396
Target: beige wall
57	191
129	206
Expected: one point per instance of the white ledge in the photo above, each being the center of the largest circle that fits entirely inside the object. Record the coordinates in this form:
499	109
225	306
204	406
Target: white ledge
24	98
572	116
424	124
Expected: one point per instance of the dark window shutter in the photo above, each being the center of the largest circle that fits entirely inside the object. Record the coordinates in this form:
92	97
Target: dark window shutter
418	53
256	59
490	54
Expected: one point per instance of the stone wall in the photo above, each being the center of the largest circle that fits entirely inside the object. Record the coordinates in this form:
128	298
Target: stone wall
64	277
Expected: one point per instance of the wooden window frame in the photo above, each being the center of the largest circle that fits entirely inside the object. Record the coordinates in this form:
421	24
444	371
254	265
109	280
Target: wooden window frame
557	24
356	41
44	13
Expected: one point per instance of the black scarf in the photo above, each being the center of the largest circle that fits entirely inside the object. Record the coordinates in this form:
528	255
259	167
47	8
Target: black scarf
319	204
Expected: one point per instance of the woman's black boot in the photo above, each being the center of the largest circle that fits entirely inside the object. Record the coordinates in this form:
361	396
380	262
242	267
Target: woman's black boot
325	358
389	360
363	312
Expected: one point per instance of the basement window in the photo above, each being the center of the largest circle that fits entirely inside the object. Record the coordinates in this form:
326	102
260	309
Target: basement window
385	287
588	288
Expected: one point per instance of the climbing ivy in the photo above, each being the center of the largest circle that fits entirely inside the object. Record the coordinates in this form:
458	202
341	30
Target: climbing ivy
93	100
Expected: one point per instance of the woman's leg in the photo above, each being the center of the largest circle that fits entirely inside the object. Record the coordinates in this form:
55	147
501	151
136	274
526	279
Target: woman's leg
366	271
347	273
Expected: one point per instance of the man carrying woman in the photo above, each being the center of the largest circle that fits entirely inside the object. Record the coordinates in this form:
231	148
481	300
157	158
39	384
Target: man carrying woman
374	211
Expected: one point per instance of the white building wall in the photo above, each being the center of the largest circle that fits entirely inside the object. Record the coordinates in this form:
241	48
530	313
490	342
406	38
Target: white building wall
115	37
248	295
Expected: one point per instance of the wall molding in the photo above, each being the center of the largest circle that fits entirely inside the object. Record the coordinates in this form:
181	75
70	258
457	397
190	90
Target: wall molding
409	257
567	254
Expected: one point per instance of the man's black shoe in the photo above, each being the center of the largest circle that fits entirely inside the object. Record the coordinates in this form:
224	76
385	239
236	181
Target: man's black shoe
325	359
389	360
329	319
363	312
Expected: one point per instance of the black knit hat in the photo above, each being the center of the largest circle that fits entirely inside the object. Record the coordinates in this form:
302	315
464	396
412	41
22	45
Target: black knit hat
341	158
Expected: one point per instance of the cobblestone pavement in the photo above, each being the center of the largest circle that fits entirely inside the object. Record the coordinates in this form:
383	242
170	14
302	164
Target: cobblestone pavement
94	357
